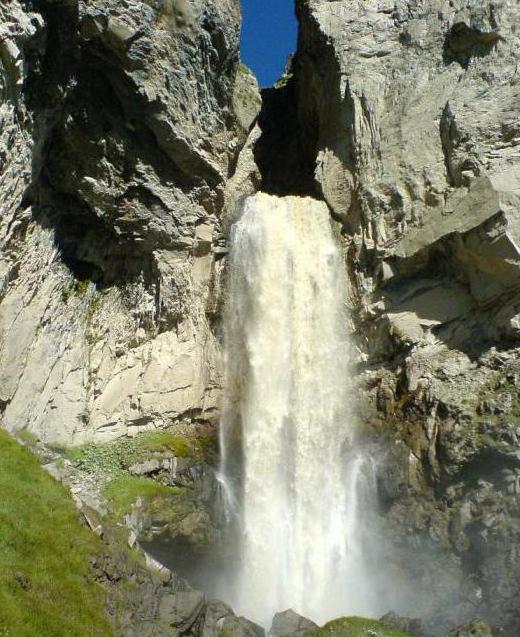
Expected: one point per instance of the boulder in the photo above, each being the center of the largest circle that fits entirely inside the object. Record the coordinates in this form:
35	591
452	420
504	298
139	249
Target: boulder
232	626
290	623
153	465
214	615
181	609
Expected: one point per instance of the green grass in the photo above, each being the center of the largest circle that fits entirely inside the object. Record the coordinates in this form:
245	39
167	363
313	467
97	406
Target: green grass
356	627
113	460
158	441
124	490
29	439
75	287
46	588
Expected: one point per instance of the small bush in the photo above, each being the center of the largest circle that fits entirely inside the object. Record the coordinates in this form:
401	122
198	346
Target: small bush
76	287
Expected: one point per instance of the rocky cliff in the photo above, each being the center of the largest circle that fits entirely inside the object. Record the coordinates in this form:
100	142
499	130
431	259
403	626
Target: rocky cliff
128	133
120	123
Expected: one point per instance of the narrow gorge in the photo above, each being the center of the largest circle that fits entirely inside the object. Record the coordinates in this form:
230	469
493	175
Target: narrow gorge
268	341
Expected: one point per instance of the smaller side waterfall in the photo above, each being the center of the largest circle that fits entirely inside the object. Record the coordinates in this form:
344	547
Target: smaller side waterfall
294	482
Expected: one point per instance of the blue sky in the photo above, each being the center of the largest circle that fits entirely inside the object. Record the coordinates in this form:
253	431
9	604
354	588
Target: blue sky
268	36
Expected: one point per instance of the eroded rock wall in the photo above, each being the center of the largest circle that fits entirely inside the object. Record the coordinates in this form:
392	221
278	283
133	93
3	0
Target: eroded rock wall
121	122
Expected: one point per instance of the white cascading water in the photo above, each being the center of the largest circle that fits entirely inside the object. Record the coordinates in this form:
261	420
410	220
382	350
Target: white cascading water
292	478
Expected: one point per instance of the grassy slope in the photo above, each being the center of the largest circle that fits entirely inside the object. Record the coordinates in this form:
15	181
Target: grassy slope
111	461
356	627
45	589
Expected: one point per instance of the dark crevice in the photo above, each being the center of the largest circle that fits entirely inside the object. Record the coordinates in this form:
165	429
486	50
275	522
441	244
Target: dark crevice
488	465
280	153
463	42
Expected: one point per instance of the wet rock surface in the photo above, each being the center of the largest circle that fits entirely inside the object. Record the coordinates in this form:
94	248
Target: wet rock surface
289	622
475	628
408	625
158	603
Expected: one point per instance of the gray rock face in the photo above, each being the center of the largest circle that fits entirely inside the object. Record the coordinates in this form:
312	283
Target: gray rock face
119	123
404	105
214	616
406	114
290	623
415	149
151	603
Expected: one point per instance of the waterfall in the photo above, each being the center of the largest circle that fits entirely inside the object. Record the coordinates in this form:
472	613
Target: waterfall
292	477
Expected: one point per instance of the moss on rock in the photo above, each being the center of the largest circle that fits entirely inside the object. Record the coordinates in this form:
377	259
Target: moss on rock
356	627
118	456
122	492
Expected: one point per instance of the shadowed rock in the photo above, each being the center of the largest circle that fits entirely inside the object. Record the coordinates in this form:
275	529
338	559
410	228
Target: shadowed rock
476	628
288	623
463	38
